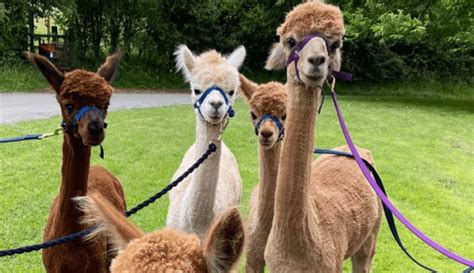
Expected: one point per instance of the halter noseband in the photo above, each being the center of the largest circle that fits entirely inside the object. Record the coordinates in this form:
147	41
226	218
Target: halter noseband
275	120
197	105
295	57
67	126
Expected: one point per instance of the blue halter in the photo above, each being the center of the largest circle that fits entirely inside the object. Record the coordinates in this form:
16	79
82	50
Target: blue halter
275	120
77	117
197	105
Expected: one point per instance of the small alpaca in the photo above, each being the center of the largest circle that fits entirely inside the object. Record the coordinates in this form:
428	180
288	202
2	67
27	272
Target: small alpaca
216	184
83	97
264	100
165	250
324	211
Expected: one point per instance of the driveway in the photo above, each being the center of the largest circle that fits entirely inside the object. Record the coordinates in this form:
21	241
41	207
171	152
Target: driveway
15	107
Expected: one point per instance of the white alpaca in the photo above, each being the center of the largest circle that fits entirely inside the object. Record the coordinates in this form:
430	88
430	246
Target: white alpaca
216	184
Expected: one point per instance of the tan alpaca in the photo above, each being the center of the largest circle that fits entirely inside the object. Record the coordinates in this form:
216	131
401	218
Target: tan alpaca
324	211
216	184
75	90
164	250
269	98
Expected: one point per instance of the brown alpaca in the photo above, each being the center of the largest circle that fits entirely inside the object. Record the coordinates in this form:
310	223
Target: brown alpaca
324	211
165	250
73	91
269	98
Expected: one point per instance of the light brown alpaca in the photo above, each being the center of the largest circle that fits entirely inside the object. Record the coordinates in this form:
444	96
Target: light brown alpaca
165	250
264	99
324	212
75	90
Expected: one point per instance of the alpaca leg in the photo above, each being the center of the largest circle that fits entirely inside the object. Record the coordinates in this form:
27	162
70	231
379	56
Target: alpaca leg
255	252
362	260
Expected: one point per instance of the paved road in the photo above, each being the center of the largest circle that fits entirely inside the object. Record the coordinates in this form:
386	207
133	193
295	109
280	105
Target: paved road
15	107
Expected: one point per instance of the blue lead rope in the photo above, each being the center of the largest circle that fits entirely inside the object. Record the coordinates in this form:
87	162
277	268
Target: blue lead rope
31	137
21	138
388	213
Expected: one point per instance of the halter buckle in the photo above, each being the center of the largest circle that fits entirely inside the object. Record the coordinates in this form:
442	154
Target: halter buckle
55	133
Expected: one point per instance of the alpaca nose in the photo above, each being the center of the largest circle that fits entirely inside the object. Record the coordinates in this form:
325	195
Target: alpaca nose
96	124
216	104
266	133
95	128
317	60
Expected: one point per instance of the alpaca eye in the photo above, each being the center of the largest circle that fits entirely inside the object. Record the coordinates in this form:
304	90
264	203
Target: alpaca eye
283	117
291	42
253	115
197	91
69	108
231	93
335	45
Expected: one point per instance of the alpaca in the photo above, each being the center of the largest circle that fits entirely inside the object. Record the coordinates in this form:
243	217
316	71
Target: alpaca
165	250
216	184
83	97
264	99
324	212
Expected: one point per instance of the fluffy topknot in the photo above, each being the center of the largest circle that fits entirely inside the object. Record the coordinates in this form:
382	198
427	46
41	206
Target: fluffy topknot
81	83
269	98
314	17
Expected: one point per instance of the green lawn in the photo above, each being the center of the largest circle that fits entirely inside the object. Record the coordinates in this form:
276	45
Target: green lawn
424	151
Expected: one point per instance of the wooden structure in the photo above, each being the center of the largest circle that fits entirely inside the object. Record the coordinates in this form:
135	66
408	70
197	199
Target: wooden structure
52	45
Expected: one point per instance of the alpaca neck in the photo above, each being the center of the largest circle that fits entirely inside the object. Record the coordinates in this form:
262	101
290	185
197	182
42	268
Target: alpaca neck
269	160
202	191
75	171
293	209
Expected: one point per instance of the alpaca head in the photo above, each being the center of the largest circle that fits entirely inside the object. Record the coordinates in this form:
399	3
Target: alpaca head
83	96
312	33
214	80
164	250
266	100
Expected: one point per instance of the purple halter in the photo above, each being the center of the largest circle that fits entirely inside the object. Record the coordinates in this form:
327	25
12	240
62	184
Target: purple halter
295	57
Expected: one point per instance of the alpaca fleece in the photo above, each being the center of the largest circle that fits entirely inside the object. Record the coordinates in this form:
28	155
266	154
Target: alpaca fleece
162	251
301	21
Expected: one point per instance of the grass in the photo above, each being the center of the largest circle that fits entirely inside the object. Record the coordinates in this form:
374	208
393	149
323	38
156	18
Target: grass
21	77
24	77
423	148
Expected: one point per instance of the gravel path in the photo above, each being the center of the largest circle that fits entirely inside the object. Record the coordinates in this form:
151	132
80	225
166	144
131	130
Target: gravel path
15	107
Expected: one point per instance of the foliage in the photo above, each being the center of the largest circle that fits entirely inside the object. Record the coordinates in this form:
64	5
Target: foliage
407	39
13	30
389	40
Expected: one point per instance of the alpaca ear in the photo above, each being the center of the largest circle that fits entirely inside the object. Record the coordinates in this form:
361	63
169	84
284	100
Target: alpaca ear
337	55
109	68
225	242
247	87
109	221
185	61
236	58
49	70
277	58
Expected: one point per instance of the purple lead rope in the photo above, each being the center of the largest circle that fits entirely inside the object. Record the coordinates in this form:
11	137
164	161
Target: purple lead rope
384	198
